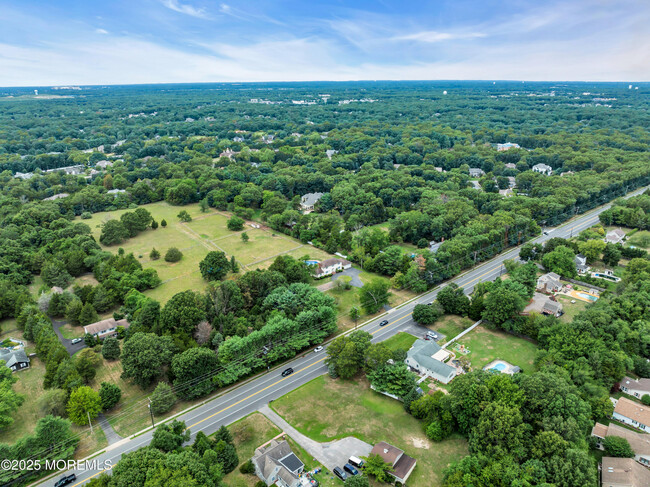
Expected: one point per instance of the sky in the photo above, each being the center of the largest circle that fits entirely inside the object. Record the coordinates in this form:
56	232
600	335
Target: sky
82	42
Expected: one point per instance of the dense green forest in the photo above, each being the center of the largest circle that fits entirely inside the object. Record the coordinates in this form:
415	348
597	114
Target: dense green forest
392	161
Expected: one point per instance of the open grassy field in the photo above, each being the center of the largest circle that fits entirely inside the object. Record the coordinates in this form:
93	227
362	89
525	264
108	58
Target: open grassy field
486	345
70	331
640	239
338	408
571	309
249	433
402	341
30	386
451	325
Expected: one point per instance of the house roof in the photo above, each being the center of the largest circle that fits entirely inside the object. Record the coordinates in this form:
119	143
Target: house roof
389	453
542	167
624	472
422	352
632	410
618	232
639	442
292	463
403	467
13	357
638	384
552	306
334	261
104	325
310	199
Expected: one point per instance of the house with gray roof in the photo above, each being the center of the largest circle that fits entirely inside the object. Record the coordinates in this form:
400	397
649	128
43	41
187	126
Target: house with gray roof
581	264
15	359
423	358
615	236
476	172
276	464
549	282
635	387
308	200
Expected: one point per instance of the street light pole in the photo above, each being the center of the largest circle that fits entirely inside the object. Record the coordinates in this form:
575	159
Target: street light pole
151	413
90	423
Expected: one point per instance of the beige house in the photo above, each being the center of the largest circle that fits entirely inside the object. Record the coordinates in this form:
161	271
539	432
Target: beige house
639	442
105	328
632	414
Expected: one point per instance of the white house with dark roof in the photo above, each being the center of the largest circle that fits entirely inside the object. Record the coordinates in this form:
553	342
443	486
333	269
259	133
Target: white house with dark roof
635	387
581	264
426	359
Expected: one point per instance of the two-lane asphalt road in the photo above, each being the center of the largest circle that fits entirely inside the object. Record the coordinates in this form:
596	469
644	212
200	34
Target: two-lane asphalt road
249	397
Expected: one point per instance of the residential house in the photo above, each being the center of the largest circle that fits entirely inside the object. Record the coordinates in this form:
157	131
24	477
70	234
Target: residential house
543	169
238	139
506	192
115	191
507	146
267	139
15	359
330	152
635	387
615	236
401	464
434	246
510	165
103	164
512	181
639	442
328	267
581	264
309	200
624	472
633	414
229	153
425	358
24	175
276	464
104	328
552	308
72	170
439	169
549	282
475	184
56	197
476	172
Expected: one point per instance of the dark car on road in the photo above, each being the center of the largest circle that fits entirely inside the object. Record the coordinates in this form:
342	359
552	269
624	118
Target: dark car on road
340	473
383	323
65	480
287	372
350	469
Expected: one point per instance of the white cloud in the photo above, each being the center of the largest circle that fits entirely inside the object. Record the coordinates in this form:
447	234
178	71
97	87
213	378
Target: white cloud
187	9
101	31
431	36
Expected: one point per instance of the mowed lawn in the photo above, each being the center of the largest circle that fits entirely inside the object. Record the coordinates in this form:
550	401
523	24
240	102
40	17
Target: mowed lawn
451	325
249	433
337	408
403	341
486	345
571	309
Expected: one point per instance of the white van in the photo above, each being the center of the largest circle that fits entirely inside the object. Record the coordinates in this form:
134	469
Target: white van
357	462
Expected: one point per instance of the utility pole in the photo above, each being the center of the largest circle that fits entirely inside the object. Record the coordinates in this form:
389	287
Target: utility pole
151	413
90	423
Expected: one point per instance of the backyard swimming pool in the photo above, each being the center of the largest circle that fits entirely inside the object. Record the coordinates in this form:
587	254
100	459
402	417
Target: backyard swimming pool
590	297
499	366
312	262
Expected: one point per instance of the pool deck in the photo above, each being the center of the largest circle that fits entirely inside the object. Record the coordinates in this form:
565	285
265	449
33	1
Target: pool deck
576	295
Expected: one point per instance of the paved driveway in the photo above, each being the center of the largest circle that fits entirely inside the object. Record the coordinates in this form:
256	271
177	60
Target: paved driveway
72	349
331	454
353	273
419	331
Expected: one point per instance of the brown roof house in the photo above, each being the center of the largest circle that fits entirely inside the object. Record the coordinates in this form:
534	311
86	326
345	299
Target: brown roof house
105	328
624	472
402	465
276	464
639	442
633	414
635	387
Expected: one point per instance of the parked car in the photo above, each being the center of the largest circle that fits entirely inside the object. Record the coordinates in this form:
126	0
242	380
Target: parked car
340	473
65	480
287	372
356	461
318	349
350	469
74	341
383	323
432	335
